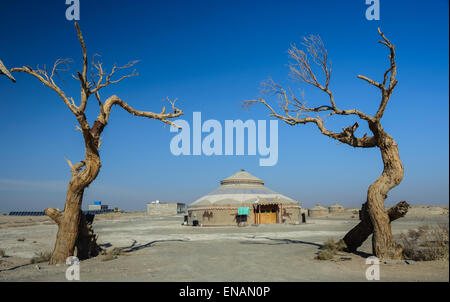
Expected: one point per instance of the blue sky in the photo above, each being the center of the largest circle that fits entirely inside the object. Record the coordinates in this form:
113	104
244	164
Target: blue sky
211	55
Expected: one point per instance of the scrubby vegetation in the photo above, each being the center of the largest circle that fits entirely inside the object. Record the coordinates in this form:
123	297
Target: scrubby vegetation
330	248
426	243
325	255
109	257
2	253
41	257
113	254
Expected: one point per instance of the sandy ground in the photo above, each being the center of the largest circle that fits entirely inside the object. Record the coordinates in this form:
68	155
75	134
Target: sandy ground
161	249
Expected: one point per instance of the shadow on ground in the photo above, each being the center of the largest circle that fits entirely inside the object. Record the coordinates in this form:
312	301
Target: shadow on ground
134	247
278	241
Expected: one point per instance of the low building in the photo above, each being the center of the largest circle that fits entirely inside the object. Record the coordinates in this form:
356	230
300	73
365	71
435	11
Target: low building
243	199
336	208
157	208
318	211
97	206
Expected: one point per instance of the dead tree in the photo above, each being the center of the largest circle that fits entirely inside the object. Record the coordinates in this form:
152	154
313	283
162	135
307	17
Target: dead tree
294	111
74	230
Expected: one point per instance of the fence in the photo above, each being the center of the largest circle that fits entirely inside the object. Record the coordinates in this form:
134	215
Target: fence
41	213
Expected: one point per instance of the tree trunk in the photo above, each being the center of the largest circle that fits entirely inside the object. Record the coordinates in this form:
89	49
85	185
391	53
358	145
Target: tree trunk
75	234
68	226
356	237
383	244
73	230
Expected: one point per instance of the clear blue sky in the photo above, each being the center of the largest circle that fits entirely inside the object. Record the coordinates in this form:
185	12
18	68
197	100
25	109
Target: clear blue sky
211	55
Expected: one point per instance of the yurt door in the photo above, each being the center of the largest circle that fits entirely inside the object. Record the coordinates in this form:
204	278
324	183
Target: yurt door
268	214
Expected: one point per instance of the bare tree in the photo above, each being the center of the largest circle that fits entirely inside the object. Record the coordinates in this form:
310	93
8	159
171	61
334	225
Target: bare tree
294	111
74	229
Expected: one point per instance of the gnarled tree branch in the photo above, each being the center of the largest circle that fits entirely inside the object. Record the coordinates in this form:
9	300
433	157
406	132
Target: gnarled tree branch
295	111
5	71
162	116
54	214
43	77
386	88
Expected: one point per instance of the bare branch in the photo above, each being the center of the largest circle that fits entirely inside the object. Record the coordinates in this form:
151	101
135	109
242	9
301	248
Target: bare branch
295	111
302	70
83	48
83	75
103	80
386	88
54	214
56	68
42	76
5	71
99	80
372	82
163	116
75	169
99	84
347	135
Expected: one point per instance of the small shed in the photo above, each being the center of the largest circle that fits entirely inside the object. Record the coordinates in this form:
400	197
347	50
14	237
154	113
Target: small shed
157	208
318	211
97	206
336	208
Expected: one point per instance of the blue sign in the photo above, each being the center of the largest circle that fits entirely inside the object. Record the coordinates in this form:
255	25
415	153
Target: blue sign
243	211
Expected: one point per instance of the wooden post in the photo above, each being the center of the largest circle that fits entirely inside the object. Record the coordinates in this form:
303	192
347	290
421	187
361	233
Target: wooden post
281	213
259	213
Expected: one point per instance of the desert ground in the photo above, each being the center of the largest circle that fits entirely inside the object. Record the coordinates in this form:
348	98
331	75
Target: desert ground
162	249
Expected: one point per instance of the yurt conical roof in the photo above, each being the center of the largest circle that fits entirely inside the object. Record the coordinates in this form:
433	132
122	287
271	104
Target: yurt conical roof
241	188
336	205
318	207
